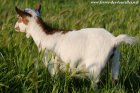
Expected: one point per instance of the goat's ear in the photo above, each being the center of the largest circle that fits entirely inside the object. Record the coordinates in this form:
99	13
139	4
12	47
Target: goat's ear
38	7
22	13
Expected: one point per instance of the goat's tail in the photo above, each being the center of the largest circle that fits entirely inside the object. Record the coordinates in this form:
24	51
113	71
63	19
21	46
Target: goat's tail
124	38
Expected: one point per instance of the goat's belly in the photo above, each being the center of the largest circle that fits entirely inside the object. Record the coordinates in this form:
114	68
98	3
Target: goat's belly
70	52
92	51
70	56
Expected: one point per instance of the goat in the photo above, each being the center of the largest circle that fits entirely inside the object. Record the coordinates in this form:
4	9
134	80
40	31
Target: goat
90	48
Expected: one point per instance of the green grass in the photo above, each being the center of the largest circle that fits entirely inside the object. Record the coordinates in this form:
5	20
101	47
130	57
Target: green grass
21	69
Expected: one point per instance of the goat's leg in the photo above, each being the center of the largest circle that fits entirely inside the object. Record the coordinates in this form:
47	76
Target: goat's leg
115	66
49	65
45	58
94	74
53	66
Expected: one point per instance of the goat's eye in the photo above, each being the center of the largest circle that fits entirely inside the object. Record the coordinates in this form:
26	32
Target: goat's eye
17	16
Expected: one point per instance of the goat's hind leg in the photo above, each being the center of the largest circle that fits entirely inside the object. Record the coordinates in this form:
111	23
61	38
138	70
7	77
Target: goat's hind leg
94	75
115	66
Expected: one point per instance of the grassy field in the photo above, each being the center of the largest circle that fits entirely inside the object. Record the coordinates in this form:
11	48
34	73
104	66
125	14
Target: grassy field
21	68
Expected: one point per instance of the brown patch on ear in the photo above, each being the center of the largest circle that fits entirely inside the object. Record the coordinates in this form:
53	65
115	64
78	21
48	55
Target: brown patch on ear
22	13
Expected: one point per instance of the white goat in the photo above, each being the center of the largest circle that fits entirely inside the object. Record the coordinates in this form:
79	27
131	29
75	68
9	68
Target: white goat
89	48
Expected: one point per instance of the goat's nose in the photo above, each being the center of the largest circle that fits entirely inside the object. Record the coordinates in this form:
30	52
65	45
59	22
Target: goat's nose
17	28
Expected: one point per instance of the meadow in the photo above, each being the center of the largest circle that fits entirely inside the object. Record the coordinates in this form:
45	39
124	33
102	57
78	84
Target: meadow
21	67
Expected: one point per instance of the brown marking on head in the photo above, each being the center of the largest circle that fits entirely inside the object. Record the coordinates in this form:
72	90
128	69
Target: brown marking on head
22	13
48	29
23	19
22	16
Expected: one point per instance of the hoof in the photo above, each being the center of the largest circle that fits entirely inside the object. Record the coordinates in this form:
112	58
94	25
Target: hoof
115	82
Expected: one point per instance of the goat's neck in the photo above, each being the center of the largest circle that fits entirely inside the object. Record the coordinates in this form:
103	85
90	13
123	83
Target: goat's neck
41	39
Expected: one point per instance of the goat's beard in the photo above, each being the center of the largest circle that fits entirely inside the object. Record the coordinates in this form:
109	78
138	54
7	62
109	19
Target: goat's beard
27	35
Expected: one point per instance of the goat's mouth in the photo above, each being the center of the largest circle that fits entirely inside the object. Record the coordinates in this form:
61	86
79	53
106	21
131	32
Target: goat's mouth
17	29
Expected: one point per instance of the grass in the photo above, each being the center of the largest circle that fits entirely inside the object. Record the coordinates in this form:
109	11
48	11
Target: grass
21	68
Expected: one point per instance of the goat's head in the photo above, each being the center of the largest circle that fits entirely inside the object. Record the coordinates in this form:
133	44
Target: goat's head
24	17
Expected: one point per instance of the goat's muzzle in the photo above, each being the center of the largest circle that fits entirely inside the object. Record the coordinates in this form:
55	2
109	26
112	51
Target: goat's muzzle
17	29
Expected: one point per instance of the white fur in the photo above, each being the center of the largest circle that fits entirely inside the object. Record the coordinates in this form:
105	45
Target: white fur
21	25
90	48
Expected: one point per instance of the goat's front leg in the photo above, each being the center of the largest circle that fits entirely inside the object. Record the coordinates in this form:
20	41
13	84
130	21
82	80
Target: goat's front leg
48	63
45	58
51	64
